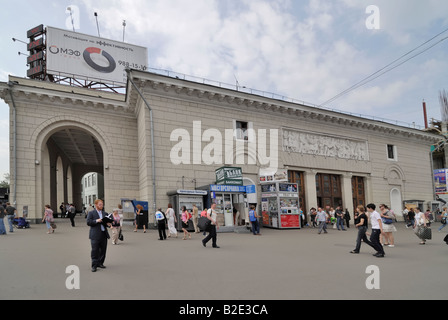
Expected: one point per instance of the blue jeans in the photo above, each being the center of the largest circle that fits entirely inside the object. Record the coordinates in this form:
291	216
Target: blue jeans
442	226
255	227
2	226
340	222
322	226
362	237
11	220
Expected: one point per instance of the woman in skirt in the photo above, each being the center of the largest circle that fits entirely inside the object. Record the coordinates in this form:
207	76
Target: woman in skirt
388	228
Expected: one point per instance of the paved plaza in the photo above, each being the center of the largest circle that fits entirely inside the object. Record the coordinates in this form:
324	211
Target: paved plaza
279	265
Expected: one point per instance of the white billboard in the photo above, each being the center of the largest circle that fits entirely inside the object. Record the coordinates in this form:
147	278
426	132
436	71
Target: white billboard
81	56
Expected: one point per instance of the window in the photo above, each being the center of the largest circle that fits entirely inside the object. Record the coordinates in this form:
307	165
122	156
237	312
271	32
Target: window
391	152
241	130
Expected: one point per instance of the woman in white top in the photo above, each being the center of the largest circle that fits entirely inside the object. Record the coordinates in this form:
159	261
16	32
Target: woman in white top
171	216
420	222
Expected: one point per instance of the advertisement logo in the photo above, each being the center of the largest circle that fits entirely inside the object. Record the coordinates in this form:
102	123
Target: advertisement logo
87	57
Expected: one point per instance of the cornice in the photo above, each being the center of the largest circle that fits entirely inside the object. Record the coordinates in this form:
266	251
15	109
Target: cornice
31	91
164	86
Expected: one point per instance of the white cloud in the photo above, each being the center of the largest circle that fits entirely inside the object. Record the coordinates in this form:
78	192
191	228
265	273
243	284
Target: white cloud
310	55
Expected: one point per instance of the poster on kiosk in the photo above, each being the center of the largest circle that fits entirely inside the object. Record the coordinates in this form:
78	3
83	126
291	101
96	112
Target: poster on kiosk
279	201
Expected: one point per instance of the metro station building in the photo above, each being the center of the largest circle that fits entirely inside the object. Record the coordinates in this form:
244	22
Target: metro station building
58	133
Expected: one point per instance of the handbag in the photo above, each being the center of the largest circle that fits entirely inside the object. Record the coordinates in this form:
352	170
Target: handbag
204	223
387	220
53	225
424	233
443	220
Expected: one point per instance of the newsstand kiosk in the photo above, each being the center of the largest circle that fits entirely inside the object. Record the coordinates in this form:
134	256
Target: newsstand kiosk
187	198
280	205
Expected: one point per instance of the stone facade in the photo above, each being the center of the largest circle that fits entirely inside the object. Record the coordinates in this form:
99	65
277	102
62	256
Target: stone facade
347	146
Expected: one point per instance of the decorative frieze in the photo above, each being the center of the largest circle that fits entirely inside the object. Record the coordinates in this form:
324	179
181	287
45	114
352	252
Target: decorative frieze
327	146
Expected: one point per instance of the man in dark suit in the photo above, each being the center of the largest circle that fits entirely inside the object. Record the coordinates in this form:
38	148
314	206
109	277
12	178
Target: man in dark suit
98	235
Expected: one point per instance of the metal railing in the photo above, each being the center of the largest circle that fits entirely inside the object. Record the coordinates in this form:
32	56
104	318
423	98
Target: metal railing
275	96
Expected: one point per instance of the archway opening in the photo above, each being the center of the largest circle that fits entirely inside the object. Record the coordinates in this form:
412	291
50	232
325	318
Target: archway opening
73	153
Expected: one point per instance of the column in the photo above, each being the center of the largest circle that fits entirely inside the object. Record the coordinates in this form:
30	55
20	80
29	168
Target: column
347	192
310	188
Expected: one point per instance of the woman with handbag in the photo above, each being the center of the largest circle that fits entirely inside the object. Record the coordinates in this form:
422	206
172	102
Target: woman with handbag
116	226
420	225
185	219
388	226
48	218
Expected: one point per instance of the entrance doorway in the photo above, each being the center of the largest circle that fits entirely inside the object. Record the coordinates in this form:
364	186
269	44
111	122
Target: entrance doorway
328	190
358	192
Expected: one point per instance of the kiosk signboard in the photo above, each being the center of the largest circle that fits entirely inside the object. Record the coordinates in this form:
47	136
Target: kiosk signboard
229	176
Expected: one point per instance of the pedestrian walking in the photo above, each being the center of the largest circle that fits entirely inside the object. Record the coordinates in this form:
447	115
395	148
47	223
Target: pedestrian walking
185	216
161	224
141	219
11	213
2	221
195	218
211	215
388	219
347	218
362	224
322	220
71	214
410	218
443	220
313	214
48	218
172	220
204	214
377	230
116	225
253	218
419	225
339	218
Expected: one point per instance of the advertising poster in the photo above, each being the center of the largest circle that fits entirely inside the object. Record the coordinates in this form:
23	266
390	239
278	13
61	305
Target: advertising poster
290	220
78	55
440	181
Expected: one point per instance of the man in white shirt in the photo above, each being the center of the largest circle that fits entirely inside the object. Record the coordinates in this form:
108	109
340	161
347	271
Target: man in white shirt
377	229
211	215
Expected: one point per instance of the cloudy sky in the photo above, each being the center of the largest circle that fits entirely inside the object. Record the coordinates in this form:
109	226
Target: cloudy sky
309	50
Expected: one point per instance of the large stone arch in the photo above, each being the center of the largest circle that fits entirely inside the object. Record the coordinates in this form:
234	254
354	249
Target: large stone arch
38	142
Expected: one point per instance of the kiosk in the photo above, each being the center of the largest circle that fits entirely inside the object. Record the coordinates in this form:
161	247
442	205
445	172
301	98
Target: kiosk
280	205
187	198
229	199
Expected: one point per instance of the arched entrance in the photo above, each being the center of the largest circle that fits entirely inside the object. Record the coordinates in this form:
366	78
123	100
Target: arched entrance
69	150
